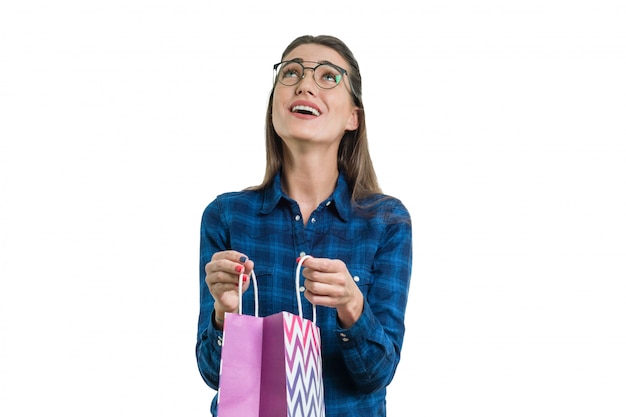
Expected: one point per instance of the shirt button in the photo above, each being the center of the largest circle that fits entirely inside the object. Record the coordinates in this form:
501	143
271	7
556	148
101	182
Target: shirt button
302	254
302	289
297	217
313	220
342	334
356	279
328	203
219	341
345	339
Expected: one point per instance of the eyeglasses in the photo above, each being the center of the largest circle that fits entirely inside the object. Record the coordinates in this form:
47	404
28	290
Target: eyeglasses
325	74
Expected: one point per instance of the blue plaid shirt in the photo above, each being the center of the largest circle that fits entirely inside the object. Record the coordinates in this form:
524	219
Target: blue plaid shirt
357	363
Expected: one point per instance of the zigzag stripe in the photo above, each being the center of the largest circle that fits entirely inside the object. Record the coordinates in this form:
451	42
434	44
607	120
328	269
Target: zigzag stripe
296	326
299	355
298	341
300	372
299	408
301	359
313	390
305	390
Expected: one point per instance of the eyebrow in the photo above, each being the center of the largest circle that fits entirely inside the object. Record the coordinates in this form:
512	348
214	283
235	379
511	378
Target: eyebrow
300	60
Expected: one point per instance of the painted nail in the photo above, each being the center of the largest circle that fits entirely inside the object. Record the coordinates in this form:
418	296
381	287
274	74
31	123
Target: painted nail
244	278
298	259
243	259
239	268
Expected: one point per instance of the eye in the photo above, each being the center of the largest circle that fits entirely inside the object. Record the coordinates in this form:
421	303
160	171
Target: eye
328	75
331	77
291	70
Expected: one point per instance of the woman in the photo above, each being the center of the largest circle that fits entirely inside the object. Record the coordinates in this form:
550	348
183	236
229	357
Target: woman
319	197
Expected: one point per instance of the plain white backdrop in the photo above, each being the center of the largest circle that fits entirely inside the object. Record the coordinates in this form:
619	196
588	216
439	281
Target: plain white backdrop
501	126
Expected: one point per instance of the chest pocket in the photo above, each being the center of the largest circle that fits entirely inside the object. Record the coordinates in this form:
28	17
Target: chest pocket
362	277
265	279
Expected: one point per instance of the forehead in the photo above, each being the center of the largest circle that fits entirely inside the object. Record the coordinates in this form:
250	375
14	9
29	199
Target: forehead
316	53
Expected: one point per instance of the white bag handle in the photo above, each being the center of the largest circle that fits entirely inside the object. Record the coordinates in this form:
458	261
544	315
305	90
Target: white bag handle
256	293
298	288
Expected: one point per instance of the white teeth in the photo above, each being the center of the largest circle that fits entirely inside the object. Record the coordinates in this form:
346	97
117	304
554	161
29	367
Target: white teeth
305	108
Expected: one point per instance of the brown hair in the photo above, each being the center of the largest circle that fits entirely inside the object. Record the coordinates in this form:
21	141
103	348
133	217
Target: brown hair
353	156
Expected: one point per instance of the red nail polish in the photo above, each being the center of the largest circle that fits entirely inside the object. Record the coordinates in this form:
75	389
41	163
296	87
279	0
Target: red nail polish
298	259
244	278
239	268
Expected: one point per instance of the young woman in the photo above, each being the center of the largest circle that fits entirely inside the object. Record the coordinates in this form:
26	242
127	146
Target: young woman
319	197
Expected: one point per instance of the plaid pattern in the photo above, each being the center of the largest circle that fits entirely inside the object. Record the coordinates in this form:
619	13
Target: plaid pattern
374	243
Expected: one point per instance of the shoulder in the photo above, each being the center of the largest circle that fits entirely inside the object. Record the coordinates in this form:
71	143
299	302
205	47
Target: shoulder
386	208
234	201
237	197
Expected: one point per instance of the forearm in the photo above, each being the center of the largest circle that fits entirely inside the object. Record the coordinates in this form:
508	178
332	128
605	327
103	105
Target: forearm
208	354
371	354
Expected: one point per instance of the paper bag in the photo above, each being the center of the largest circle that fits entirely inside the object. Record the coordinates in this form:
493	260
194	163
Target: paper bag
271	366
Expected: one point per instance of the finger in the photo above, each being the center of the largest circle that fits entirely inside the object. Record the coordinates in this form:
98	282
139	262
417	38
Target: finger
220	283
216	276
323	275
227	265
324	264
324	287
248	266
237	257
230	255
320	299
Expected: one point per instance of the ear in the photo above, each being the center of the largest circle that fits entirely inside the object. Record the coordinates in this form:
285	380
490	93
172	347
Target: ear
353	121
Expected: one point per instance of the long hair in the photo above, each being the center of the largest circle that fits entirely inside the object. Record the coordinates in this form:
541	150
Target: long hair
353	156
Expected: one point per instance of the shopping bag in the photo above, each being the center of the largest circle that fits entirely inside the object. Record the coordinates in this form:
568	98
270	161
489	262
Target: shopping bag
240	366
282	377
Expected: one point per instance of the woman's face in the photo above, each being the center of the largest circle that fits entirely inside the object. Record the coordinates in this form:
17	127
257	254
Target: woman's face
307	112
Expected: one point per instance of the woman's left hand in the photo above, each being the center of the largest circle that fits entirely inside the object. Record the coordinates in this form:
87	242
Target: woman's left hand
329	283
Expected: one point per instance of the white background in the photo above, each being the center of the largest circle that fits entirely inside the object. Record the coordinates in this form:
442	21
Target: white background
500	124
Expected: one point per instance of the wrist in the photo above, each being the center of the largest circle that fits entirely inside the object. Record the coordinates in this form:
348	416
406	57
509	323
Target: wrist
218	316
351	312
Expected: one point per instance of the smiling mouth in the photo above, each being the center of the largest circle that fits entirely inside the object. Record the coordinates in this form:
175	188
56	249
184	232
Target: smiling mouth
305	110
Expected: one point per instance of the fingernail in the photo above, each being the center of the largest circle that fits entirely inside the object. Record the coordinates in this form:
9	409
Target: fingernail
244	278
298	259
239	268
243	259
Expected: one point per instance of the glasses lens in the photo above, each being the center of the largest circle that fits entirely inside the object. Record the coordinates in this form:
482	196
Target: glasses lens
327	76
289	73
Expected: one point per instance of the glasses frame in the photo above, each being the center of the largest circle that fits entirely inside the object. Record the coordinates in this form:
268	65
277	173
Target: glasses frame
343	72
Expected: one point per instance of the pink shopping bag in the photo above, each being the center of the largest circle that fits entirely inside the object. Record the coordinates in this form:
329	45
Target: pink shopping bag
281	373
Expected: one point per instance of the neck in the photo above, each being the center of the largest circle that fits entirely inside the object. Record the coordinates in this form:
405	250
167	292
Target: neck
309	181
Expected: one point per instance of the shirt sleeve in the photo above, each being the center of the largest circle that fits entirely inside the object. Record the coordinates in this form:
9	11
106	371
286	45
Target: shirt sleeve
371	347
213	238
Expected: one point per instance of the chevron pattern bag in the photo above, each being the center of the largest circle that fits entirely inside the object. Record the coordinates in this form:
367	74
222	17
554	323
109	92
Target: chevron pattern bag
271	366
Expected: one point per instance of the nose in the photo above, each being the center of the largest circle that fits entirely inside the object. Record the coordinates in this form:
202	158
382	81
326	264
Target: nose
307	83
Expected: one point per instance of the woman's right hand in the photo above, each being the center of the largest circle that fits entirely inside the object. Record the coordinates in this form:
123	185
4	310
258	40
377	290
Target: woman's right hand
222	278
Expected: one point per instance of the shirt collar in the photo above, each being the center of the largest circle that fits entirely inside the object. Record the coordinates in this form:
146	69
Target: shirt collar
340	198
